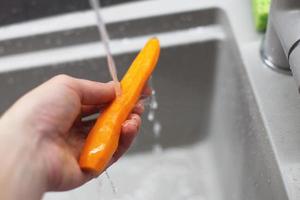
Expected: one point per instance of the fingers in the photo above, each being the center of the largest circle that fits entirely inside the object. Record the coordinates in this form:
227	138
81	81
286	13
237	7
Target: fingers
87	110
89	92
129	131
92	94
147	91
90	110
139	108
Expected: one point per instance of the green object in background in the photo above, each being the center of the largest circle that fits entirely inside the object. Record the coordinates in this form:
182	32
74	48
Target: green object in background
261	10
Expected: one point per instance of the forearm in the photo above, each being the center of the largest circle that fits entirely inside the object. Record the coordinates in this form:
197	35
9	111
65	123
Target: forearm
19	177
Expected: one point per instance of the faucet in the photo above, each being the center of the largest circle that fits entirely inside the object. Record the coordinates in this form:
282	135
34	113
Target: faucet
281	46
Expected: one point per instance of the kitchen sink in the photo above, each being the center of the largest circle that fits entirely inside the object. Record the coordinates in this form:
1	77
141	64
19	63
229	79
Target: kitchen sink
213	142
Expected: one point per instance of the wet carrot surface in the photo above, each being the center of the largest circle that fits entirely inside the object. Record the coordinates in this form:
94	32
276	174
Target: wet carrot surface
103	139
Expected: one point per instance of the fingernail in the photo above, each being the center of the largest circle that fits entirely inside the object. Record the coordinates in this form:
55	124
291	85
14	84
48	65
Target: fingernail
135	117
129	123
133	123
141	104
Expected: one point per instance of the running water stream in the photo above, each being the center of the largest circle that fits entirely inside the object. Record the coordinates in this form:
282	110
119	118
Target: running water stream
105	40
153	104
110	61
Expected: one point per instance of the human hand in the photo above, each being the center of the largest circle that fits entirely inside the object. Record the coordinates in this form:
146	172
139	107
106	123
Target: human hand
47	132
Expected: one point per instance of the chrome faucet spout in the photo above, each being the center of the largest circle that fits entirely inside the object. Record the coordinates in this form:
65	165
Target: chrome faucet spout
282	38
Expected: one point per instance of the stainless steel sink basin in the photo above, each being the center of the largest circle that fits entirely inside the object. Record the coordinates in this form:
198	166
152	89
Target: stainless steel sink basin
213	139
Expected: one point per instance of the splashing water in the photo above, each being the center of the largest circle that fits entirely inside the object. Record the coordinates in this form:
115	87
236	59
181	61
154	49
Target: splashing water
105	39
153	105
156	125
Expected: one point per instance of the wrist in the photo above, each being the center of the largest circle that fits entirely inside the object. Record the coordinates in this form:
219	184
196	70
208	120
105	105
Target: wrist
21	175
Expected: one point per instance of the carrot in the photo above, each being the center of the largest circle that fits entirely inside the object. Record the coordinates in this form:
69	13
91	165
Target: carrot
103	139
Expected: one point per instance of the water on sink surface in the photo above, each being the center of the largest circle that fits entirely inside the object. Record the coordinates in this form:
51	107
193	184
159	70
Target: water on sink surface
171	174
177	173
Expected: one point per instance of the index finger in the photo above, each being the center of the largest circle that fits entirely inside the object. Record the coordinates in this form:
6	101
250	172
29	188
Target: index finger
89	92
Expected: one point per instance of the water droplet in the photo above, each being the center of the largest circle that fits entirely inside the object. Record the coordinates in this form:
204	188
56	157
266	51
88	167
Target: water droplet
154	104
157	129
151	115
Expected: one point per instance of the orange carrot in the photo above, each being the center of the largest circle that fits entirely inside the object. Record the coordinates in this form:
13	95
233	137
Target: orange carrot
103	139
